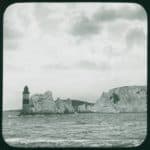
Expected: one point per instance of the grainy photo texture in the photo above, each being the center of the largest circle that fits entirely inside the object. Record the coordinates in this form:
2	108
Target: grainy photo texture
75	75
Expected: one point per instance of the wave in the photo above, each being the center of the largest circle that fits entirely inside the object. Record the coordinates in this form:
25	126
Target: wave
77	142
29	141
12	116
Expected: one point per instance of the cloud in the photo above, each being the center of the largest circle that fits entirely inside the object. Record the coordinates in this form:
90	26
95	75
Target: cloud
11	45
13	30
56	67
110	14
14	68
41	14
134	37
11	37
112	52
85	64
84	27
11	33
48	17
81	65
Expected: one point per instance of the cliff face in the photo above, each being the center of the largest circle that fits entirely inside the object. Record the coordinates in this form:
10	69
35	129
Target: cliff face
86	108
123	99
64	106
44	103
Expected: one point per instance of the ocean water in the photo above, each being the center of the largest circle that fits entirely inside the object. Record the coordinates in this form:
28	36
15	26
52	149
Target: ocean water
75	130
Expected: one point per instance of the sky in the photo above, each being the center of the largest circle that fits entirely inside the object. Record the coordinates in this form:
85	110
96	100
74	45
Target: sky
75	50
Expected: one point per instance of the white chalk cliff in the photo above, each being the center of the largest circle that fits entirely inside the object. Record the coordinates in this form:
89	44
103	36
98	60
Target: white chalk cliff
123	99
44	103
64	106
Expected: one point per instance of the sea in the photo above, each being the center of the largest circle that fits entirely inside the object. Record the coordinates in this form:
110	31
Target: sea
74	130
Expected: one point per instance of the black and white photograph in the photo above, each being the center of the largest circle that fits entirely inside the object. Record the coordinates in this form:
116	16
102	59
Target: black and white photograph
74	75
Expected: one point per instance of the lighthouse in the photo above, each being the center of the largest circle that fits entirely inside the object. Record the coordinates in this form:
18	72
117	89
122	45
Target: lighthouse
26	106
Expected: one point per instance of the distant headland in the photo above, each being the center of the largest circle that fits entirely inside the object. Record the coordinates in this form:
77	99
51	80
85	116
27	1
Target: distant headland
122	99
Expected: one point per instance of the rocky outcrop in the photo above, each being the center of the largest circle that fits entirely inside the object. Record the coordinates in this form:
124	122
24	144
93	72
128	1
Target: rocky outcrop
64	106
71	106
86	108
123	99
81	106
43	103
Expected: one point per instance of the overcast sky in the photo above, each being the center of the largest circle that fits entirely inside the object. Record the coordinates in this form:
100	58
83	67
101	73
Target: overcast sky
76	50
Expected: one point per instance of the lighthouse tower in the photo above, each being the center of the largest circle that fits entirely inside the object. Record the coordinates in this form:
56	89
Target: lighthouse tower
26	106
